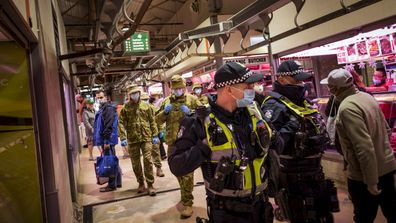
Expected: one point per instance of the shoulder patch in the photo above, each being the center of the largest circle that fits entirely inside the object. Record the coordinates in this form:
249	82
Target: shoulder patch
268	114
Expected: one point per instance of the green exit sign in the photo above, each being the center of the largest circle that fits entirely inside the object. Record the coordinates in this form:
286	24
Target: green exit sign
138	42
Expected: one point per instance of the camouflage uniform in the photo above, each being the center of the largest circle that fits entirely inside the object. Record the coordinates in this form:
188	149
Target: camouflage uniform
155	152
173	120
202	98
137	124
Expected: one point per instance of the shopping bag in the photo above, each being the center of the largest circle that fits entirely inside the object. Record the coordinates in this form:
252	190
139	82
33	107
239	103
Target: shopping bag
331	124
106	165
100	180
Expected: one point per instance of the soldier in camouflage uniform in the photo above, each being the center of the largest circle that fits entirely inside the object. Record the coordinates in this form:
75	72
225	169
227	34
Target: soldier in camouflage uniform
172	111
138	129
156	147
197	91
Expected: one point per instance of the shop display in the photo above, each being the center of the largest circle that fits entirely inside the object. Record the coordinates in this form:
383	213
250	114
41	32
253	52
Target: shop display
386	47
373	47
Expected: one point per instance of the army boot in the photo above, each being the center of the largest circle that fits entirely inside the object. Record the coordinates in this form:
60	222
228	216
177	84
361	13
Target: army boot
159	172
186	212
141	188
151	190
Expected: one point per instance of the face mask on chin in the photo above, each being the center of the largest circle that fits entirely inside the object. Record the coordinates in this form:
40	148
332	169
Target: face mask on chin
248	97
178	92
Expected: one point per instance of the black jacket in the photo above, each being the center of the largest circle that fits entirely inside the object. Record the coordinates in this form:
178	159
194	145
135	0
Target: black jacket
283	120
190	151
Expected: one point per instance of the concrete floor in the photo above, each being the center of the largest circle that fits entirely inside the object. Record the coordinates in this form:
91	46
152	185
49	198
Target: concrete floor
125	205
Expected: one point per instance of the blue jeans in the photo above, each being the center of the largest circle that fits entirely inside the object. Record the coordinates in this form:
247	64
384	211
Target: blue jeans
113	181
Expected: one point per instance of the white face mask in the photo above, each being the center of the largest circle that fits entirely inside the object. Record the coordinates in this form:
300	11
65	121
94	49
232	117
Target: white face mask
135	97
178	92
259	89
198	91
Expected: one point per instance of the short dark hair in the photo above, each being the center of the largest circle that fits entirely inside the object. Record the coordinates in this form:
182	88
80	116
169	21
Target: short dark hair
101	91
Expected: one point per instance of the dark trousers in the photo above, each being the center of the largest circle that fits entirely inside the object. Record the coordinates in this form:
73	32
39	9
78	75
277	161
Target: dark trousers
366	205
113	181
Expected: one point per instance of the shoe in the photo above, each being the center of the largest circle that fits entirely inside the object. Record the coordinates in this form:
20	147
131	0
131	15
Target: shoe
186	212
107	189
151	190
119	186
163	157
91	159
141	188
159	172
85	146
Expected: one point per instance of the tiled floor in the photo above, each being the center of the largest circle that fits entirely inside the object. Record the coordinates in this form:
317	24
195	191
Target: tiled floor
125	205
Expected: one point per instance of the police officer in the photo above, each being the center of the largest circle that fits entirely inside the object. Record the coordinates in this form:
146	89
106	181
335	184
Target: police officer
172	111
302	192
197	91
156	144
138	129
229	140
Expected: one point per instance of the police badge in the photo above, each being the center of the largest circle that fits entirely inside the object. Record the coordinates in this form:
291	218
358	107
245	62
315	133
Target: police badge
180	133
268	114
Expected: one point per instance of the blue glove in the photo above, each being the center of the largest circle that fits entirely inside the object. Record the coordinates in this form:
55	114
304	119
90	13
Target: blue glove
185	109
124	142
161	134
168	108
156	140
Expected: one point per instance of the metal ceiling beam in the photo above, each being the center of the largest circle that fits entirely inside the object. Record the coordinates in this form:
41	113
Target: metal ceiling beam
120	71
143	9
246	16
80	54
71	7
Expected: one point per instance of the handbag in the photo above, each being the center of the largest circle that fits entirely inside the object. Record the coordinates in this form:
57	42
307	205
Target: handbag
106	165
330	125
100	180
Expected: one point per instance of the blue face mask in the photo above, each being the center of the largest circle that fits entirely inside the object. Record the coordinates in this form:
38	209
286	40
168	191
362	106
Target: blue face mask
178	92
248	97
377	82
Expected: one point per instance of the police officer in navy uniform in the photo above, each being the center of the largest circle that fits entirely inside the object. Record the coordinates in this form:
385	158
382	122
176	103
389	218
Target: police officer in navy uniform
297	178
229	140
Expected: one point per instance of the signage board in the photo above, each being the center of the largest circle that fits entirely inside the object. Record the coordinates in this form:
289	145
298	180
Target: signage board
139	42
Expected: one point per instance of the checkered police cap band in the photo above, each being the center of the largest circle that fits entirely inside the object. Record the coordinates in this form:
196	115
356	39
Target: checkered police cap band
234	81
290	73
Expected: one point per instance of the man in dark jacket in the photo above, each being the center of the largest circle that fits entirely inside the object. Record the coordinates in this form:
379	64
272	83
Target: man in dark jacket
106	134
229	140
303	194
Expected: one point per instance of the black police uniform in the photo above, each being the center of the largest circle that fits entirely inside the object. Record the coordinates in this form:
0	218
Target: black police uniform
301	190
190	153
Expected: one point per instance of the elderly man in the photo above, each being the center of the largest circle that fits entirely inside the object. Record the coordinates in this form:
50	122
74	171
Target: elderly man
364	138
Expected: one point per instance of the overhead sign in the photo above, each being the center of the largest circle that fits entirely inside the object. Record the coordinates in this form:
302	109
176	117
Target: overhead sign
137	43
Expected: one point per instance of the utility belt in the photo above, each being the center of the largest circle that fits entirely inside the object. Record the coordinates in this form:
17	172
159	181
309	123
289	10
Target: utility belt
242	205
289	164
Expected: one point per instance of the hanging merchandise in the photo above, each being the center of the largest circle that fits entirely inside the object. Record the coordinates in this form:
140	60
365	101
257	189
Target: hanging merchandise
362	65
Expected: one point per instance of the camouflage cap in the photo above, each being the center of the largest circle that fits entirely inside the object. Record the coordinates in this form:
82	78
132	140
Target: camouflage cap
133	88
197	85
144	96
177	82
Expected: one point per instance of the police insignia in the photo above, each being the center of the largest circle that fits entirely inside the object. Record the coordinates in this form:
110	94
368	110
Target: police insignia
180	133
268	114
